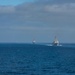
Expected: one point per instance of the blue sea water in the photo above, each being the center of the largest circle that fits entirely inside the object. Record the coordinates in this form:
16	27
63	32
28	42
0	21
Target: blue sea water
36	59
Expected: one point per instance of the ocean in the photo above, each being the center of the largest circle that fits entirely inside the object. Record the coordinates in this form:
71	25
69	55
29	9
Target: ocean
37	59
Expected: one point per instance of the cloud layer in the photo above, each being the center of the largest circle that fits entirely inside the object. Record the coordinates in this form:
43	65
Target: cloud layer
55	1
45	16
7	9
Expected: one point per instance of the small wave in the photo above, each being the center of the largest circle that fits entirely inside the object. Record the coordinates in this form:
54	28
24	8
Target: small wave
53	45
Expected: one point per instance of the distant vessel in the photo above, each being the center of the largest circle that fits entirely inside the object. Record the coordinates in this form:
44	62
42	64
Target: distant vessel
55	42
33	41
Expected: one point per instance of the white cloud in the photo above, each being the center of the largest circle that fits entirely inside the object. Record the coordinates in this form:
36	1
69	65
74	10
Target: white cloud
7	9
62	8
34	8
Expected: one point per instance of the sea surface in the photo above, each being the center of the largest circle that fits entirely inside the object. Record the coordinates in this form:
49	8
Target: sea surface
37	59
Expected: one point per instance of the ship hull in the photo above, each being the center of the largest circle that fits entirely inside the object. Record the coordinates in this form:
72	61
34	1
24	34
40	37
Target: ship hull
55	44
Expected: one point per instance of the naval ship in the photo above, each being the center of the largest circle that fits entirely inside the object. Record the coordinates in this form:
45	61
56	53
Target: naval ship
33	41
55	42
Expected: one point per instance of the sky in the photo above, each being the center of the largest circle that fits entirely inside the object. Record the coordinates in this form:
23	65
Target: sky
13	2
22	21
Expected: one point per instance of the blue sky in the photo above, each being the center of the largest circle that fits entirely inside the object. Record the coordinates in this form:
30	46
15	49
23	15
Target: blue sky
13	2
41	20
